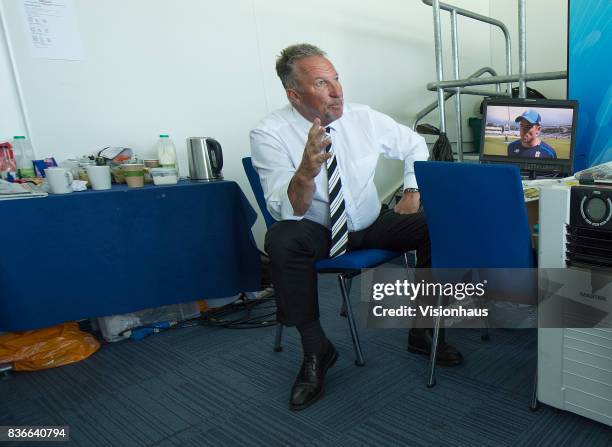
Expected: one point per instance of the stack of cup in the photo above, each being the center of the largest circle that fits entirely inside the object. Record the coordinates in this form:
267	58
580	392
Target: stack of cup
150	164
134	174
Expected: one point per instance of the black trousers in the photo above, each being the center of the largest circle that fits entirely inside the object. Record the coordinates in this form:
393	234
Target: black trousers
295	245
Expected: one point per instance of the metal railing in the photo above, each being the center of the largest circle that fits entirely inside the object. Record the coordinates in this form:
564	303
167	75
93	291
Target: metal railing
456	87
450	93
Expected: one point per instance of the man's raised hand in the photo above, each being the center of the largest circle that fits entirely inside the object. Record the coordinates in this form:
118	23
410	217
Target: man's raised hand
314	151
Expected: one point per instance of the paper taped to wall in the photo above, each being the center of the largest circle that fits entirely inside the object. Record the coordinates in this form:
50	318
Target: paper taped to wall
52	28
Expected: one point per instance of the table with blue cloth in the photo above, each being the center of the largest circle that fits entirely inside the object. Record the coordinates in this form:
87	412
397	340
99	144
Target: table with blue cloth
99	253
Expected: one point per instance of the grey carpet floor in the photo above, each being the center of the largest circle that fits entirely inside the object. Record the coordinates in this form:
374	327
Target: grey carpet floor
214	386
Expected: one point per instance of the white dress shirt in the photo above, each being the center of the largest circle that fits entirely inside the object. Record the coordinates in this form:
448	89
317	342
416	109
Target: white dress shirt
358	138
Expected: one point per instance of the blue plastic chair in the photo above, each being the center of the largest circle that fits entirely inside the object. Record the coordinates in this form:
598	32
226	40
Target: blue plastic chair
476	217
346	266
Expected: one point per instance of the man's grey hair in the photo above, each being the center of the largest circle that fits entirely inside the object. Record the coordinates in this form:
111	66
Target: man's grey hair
285	63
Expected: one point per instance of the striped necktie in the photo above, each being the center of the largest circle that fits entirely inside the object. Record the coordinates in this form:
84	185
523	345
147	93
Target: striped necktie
339	229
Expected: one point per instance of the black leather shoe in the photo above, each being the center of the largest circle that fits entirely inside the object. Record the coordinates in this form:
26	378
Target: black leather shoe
309	385
420	341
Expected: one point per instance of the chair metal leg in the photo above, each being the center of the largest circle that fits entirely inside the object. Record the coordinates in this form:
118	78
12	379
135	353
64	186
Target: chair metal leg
277	340
5	371
434	349
535	404
343	310
408	263
349	283
484	335
351	320
434	353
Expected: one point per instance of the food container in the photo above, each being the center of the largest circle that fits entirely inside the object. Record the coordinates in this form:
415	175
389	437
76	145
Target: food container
73	165
117	173
151	163
164	176
147	176
134	174
83	163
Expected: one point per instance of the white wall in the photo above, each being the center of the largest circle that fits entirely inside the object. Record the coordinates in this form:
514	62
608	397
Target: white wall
546	40
11	122
207	68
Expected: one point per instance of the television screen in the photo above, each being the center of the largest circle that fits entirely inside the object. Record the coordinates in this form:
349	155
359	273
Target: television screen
538	135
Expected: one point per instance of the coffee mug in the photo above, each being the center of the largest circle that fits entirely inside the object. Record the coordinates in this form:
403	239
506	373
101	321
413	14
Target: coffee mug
59	179
99	177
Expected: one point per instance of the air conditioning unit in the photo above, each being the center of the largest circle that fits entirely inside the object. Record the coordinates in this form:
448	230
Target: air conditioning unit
575	365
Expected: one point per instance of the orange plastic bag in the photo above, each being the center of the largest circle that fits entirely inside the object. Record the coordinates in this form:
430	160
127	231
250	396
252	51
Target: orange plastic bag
46	348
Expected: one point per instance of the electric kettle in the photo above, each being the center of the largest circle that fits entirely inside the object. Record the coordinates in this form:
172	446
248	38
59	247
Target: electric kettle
205	159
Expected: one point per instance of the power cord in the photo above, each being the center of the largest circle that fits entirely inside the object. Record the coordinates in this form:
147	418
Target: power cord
244	313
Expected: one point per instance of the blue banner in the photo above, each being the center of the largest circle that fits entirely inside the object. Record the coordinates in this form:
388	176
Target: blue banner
590	79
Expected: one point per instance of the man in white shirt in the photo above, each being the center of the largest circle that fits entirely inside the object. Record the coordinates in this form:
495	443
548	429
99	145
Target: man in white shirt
290	151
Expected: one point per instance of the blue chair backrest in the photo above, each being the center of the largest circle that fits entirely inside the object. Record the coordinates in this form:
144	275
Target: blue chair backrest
476	215
255	183
353	261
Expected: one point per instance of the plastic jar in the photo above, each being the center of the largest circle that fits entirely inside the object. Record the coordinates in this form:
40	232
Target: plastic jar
164	176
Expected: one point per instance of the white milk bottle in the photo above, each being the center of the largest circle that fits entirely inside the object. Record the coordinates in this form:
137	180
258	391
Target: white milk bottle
166	152
24	156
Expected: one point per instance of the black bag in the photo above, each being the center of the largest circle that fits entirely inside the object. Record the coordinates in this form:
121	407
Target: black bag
442	149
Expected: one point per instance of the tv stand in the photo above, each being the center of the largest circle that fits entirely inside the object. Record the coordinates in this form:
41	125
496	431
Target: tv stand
530	174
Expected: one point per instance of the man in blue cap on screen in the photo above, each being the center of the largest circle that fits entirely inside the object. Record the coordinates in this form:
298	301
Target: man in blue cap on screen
530	145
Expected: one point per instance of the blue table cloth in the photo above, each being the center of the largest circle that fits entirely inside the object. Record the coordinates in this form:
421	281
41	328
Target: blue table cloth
98	253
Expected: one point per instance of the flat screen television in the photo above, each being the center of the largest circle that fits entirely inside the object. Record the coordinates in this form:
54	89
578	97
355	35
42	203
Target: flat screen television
538	135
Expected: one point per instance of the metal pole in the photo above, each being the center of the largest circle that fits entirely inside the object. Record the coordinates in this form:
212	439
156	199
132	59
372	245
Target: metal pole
423	112
522	49
467	91
482	71
439	67
490	21
508	59
455	46
450	93
544	76
470	14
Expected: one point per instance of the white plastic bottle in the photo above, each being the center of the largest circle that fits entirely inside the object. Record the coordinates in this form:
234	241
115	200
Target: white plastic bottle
166	152
24	156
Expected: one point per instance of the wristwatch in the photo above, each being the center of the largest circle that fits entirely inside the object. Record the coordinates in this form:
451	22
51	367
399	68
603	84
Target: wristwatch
411	190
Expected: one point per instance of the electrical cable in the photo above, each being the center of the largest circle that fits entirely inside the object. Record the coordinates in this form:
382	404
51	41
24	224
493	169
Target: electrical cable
244	313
